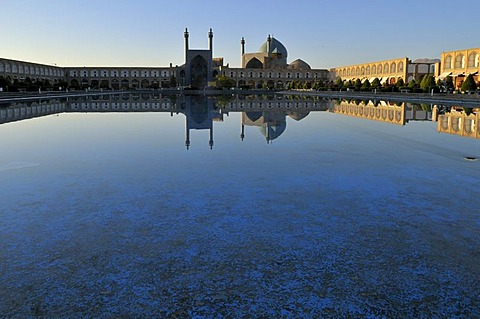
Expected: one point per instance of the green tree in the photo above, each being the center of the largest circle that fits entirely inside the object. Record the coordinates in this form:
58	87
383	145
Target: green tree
173	81
365	85
339	82
358	84
224	82
427	83
4	83
469	84
400	83
412	84
375	83
449	83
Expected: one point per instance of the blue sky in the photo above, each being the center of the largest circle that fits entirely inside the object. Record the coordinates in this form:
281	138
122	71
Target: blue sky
324	33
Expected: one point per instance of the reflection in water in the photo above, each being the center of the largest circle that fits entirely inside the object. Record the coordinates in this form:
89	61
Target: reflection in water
268	113
342	216
460	121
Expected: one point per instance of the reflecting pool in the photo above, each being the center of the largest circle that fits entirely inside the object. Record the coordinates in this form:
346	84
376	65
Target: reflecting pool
274	206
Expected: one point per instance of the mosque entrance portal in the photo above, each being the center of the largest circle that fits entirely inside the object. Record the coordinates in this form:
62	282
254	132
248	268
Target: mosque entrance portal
198	72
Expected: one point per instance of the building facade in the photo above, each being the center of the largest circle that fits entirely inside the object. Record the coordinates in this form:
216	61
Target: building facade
265	68
21	70
459	64
388	71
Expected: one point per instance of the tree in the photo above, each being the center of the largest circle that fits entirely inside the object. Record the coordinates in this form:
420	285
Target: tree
412	84
173	81
400	83
449	83
375	83
358	84
428	82
339	82
469	84
365	85
224	82
4	83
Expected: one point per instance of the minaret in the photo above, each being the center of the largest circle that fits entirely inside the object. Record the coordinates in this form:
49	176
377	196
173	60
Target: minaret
185	34
269	42
211	137
187	134
243	51
210	41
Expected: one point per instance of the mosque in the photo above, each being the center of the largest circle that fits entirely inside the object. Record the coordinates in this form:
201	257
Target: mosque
267	68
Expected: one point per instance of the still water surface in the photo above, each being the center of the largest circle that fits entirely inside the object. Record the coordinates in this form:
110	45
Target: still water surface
196	207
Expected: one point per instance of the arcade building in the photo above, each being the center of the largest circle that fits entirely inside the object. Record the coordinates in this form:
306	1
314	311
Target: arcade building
267	67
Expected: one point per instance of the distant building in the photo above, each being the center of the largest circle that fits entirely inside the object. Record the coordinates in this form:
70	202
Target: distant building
459	64
266	68
388	71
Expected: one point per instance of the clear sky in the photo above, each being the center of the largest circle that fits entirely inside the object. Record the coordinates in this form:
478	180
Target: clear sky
324	33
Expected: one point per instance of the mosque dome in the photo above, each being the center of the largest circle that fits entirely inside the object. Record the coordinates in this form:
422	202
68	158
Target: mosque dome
272	132
253	116
299	64
297	116
275	47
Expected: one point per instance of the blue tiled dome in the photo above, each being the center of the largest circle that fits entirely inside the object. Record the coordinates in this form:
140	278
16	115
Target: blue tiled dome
275	47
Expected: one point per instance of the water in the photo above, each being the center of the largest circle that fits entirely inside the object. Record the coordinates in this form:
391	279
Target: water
105	212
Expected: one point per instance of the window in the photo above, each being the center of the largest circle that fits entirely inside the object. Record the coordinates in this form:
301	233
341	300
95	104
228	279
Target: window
400	66
473	60
393	67
459	61
448	62
385	68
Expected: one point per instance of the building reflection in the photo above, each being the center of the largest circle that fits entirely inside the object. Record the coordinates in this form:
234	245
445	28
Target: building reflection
269	113
398	113
460	121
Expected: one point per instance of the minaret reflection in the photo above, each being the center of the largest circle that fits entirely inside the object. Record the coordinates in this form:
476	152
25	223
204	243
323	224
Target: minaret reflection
200	112
272	124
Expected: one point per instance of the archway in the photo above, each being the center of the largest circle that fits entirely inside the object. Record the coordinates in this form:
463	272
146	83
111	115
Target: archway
104	84
74	84
125	84
95	84
135	84
254	64
145	84
198	72
115	84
